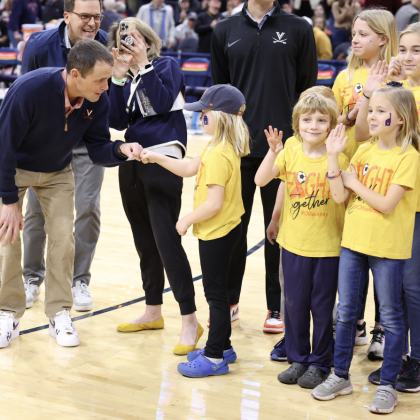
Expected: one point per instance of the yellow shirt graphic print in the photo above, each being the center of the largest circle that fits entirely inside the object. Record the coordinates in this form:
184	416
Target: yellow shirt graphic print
367	230
311	222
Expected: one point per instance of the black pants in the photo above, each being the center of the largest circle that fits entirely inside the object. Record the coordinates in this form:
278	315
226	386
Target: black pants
151	197
216	258
249	167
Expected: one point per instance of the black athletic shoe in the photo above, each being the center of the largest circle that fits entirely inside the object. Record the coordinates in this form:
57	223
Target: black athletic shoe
361	337
409	377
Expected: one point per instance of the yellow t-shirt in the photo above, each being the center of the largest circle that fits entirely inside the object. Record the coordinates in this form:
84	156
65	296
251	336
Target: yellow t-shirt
220	166
416	93
369	231
312	223
347	96
292	142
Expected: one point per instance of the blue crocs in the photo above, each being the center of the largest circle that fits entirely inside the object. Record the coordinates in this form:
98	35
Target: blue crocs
202	367
279	352
228	355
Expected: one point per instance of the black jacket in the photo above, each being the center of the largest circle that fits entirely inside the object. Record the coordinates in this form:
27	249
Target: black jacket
271	67
204	30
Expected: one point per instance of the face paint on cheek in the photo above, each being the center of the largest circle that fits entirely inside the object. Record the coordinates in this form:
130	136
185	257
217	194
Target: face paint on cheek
370	41
388	121
205	120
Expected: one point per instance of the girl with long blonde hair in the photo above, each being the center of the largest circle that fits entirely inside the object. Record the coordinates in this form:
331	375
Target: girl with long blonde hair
382	186
216	218
375	38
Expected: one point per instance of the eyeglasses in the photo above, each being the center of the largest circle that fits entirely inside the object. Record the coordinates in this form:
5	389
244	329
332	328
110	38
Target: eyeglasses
86	17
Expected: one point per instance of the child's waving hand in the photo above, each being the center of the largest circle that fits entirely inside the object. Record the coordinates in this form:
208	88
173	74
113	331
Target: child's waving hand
336	140
274	138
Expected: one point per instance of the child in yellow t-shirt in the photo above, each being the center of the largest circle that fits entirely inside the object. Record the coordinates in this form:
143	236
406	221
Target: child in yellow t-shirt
377	235
216	218
407	69
375	38
310	236
279	351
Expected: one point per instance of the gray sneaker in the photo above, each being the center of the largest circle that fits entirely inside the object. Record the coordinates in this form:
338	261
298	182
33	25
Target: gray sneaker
32	292
332	387
312	378
82	301
385	400
290	376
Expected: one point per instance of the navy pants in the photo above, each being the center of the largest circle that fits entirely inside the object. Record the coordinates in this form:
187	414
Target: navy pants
310	286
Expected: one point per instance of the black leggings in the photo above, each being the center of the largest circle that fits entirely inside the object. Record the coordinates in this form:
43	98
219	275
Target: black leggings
215	258
151	197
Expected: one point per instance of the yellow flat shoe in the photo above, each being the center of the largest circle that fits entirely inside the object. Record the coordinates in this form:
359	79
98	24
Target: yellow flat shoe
155	325
181	350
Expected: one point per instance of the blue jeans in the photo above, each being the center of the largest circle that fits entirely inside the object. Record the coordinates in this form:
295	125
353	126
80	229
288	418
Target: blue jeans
388	279
411	295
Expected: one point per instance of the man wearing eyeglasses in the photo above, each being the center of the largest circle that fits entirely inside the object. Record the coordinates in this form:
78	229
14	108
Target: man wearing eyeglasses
82	19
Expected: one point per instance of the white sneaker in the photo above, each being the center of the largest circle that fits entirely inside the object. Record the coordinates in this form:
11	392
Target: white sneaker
62	329
9	328
82	301
32	292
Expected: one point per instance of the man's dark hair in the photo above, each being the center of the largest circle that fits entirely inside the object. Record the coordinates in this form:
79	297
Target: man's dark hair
85	54
69	5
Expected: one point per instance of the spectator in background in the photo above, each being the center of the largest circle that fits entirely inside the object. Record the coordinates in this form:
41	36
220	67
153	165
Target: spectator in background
287	8
239	7
122	9
230	5
53	9
161	18
181	11
4	38
407	14
205	23
133	5
321	23
323	43
186	29
23	11
319	11
343	12
109	10
305	7
390	5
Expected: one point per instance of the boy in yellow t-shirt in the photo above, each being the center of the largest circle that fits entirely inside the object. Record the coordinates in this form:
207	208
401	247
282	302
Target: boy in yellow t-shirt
216	217
378	234
310	236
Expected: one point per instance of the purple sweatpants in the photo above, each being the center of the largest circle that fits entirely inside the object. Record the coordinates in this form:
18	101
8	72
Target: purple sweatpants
310	286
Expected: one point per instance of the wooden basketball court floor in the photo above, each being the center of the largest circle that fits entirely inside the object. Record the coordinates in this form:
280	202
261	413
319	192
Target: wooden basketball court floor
134	376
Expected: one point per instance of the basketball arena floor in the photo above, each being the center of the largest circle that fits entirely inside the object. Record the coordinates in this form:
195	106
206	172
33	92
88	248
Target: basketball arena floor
134	376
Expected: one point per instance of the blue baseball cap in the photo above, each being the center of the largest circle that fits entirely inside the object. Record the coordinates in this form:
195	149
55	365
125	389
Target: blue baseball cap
225	98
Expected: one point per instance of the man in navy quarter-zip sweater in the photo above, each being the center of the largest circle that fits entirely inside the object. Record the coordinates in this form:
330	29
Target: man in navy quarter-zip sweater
43	116
270	56
50	49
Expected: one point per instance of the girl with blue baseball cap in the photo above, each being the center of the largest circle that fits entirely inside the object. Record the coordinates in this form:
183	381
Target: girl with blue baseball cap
216	217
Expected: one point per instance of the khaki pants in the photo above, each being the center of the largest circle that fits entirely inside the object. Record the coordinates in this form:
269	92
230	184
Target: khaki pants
55	192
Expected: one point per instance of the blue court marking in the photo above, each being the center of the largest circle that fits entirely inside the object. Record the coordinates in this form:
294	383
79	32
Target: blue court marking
130	302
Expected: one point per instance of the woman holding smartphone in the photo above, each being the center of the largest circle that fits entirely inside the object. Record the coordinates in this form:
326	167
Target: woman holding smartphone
146	99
